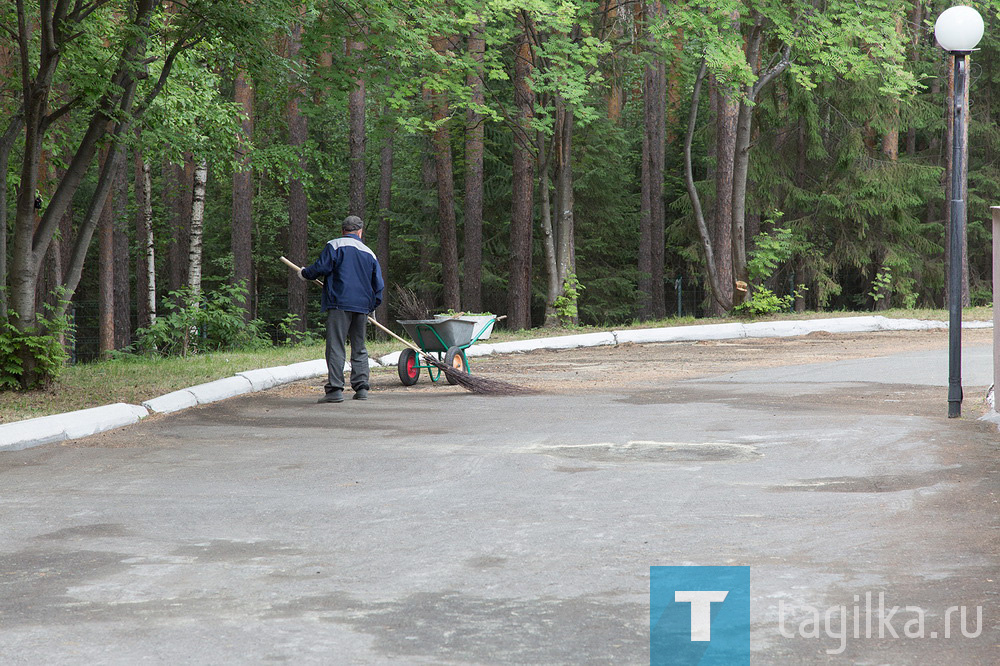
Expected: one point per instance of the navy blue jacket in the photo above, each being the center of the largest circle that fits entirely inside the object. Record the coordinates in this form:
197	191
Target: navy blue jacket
353	278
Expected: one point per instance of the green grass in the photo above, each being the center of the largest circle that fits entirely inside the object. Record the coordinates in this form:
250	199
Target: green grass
134	379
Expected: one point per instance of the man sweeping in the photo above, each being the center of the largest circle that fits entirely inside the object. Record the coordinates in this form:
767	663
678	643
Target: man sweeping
352	288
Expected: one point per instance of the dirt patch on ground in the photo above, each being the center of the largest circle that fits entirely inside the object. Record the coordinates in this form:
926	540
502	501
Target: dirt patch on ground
583	369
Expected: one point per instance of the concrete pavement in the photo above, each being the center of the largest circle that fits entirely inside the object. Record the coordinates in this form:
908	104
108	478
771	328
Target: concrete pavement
449	528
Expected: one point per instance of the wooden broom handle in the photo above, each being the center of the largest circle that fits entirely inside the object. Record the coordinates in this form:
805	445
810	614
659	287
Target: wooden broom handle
291	265
405	342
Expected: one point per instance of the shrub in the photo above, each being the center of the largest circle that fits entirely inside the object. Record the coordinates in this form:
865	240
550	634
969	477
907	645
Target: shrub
211	322
32	359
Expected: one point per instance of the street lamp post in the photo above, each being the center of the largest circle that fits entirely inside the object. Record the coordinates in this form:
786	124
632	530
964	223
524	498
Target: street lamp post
958	31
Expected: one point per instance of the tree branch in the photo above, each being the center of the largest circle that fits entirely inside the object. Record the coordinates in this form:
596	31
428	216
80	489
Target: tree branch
769	75
60	112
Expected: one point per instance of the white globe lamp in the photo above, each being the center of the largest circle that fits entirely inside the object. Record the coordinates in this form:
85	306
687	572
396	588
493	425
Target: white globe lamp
959	29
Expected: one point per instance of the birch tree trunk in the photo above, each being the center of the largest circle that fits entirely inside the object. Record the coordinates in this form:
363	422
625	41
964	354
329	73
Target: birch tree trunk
197	229
145	274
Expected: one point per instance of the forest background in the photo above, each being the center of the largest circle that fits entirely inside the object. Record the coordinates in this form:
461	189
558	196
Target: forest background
561	162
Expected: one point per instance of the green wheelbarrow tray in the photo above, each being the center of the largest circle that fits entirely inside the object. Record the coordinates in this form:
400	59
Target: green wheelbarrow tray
440	334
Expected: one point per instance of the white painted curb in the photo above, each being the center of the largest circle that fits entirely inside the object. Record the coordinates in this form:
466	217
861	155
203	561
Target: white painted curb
221	389
72	425
558	342
260	380
171	402
682	333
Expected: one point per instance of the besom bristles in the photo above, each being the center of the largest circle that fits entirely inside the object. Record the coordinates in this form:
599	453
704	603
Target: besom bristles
479	385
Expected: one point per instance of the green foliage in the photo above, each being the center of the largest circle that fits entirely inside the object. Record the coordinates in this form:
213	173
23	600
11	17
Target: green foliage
771	249
763	301
289	333
211	322
882	285
565	304
32	359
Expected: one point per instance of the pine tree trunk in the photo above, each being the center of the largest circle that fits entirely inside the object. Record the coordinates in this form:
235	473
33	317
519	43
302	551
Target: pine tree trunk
726	116
447	229
645	262
122	262
106	274
553	285
357	138
519	285
916	19
658	153
564	219
384	218
428	176
241	230
180	186
298	212
609	29
890	140
472	291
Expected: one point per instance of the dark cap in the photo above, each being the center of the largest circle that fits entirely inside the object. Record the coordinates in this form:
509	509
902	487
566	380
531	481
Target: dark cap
352	223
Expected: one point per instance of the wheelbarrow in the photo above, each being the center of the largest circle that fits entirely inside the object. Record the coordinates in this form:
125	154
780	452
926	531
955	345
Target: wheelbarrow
445	337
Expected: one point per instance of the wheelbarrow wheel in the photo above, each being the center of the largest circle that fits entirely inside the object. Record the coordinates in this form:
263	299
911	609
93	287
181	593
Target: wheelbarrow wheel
455	358
409	368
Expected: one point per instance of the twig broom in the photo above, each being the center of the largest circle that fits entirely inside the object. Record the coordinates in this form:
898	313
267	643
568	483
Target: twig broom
479	385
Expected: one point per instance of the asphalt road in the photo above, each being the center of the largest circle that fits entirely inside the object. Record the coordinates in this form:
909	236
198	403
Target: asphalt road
429	525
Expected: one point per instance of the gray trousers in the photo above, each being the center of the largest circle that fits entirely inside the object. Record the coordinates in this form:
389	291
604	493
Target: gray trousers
341	325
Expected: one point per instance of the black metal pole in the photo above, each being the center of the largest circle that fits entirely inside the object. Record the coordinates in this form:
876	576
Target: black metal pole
957	233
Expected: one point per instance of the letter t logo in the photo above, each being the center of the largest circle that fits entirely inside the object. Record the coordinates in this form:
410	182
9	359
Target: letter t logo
701	610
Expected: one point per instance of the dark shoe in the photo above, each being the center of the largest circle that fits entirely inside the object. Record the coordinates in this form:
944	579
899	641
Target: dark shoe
332	396
361	394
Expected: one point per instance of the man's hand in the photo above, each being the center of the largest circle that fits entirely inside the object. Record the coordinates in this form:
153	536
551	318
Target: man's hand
301	276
